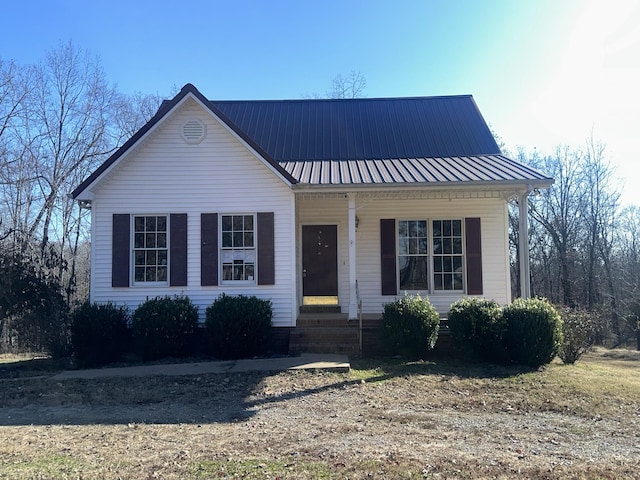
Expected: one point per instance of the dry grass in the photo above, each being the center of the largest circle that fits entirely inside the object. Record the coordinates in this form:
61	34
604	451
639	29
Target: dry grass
436	419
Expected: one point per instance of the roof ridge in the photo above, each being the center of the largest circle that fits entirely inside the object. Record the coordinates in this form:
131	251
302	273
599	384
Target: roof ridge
341	100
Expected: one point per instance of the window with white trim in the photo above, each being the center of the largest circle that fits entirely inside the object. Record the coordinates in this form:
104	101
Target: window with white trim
437	269
447	255
238	248
150	249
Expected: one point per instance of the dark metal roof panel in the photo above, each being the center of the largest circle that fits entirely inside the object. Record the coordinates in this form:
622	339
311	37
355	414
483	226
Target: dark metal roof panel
353	129
447	170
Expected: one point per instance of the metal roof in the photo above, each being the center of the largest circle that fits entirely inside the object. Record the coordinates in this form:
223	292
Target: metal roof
359	142
478	168
363	128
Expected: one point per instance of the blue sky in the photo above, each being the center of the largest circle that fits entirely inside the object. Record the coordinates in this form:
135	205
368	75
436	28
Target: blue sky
543	72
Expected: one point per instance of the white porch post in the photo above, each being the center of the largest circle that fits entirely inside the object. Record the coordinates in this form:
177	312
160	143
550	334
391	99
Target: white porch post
523	234
353	301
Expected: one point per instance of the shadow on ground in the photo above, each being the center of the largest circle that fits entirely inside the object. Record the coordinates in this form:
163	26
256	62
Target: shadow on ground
211	398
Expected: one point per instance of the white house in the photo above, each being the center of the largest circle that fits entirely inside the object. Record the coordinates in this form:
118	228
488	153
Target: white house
314	204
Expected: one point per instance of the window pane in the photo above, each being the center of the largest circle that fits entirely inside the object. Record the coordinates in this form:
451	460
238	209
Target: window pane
162	257
402	229
139	224
437	246
226	223
403	246
227	241
248	239
150	240
448	282
422	228
150	224
238	272
413	273
151	257
457	228
237	222
446	228
139	274
162	274
162	224
227	271
162	240
413	246
248	222
457	246
237	239
437	282
414	228
250	268
150	274
422	246
447	264
139	258
457	264
437	228
446	245
437	264
457	281
138	241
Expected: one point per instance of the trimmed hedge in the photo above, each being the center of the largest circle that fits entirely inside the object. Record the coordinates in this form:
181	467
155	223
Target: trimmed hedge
99	333
239	326
164	327
410	326
534	331
477	326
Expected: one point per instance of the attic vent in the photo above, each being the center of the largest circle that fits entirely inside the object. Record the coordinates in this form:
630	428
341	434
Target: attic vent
193	131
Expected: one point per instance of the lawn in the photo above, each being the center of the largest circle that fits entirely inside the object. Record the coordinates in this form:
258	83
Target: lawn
384	419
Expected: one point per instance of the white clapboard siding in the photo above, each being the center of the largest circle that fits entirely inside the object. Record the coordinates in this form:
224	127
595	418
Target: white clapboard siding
219	175
492	211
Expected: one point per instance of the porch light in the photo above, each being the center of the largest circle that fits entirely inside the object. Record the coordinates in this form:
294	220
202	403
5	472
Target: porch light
357	221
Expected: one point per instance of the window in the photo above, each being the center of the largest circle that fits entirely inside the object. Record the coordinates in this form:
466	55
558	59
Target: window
447	255
150	251
412	254
445	260
238	251
433	256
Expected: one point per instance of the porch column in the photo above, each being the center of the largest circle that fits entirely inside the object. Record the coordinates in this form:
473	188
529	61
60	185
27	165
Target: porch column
523	231
353	300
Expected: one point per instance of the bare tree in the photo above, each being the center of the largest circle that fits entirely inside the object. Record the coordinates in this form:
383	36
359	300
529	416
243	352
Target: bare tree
352	85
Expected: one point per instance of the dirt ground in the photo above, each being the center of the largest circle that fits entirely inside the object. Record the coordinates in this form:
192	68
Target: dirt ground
425	420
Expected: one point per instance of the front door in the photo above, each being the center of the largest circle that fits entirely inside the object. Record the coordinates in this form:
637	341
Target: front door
320	264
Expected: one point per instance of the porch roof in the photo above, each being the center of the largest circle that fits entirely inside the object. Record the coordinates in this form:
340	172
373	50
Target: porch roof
457	170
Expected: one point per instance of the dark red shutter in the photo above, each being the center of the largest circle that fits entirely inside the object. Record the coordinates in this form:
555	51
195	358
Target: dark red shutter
209	249
473	256
120	248
388	256
178	252
266	255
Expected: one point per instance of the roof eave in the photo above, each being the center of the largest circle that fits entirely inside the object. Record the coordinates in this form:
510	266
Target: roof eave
528	184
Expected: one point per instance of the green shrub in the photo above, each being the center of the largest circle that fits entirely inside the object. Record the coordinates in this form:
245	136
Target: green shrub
410	326
477	326
579	331
239	326
164	327
534	331
98	333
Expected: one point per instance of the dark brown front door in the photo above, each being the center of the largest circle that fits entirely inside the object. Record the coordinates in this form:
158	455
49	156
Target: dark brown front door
319	261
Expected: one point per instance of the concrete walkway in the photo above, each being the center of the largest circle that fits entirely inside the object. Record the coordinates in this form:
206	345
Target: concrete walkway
306	361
